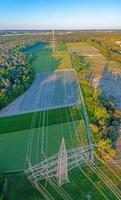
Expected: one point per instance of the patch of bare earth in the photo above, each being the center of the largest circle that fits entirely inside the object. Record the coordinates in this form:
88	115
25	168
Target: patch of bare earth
105	74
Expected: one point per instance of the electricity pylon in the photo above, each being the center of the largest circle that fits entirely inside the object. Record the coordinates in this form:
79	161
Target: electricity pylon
62	168
53	40
59	164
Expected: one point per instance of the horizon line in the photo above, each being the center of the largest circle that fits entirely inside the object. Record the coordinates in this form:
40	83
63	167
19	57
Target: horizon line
59	29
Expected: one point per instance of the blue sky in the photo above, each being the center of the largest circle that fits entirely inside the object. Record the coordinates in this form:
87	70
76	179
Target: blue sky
60	14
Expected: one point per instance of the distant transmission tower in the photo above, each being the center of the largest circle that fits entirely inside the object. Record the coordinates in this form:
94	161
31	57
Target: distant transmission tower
53	40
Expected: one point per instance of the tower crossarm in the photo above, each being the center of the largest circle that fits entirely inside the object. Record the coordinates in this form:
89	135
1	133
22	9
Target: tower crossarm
59	164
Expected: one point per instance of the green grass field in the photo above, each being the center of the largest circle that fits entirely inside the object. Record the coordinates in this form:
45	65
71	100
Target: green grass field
55	116
79	187
13	146
43	59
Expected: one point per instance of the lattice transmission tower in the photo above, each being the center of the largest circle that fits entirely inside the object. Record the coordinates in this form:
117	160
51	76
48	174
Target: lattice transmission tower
53	41
58	165
62	168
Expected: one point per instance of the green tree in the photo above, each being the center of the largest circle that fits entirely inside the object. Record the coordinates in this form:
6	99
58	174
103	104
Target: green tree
104	150
3	100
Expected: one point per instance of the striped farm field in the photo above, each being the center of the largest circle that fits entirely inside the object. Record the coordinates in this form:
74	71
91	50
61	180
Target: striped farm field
14	146
55	116
50	90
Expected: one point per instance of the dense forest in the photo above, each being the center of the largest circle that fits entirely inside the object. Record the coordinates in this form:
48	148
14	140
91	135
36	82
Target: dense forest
16	73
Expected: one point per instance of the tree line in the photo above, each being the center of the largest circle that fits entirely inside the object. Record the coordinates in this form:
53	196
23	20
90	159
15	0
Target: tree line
16	77
104	118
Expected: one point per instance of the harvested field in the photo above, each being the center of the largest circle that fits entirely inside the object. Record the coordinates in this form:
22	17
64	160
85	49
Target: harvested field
104	74
93	55
49	90
111	87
